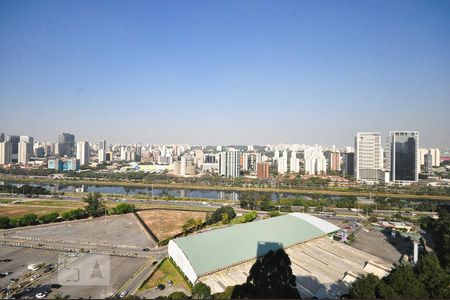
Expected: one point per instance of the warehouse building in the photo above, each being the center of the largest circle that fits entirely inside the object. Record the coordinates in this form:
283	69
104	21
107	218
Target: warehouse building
209	252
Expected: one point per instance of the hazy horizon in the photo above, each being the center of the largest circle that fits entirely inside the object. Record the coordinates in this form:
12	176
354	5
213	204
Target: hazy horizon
222	73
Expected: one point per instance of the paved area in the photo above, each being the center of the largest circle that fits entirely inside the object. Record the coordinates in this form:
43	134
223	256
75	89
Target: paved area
112	235
319	265
383	246
93	281
20	259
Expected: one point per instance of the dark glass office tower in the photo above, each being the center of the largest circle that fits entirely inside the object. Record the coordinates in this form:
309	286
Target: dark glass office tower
404	146
14	139
66	144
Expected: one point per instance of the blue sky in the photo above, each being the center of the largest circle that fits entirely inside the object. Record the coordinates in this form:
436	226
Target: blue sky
225	72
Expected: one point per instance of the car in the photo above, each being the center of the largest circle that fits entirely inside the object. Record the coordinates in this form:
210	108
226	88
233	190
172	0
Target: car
6	260
123	294
170	283
55	286
40	295
6	273
146	249
14	279
154	263
160	286
33	277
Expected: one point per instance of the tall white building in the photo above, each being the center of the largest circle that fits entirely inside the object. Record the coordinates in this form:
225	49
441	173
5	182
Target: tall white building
101	151
229	163
435	155
83	152
294	164
369	157
315	162
5	153
282	165
404	162
24	153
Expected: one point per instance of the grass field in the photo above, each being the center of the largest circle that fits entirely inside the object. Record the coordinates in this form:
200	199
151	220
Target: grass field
20	210
167	223
166	271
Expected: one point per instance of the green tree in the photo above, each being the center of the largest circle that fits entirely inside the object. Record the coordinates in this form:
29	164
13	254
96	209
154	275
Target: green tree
370	287
270	277
75	214
216	216
4	222
225	218
435	280
28	219
95	207
405	283
124	208
201	291
49	218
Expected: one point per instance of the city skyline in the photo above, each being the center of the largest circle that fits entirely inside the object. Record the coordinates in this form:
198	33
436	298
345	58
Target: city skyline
228	73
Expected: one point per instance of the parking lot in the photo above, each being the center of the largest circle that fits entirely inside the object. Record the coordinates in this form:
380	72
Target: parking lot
117	231
120	270
20	259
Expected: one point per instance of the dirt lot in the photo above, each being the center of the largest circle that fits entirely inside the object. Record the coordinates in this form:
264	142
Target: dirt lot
166	223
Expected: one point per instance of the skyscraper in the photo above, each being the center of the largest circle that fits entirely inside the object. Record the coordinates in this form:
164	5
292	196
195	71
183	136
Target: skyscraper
229	163
23	153
404	156
101	151
66	144
369	157
282	165
2	137
83	152
294	163
5	153
15	140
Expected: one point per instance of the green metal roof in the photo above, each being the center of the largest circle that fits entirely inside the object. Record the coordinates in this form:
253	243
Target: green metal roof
217	249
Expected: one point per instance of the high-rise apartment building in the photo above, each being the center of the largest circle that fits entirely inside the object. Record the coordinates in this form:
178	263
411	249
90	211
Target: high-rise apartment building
315	162
333	161
5	152
369	157
435	154
428	165
262	170
250	160
294	163
66	144
282	165
229	163
404	166
101	151
2	137
83	152
23	153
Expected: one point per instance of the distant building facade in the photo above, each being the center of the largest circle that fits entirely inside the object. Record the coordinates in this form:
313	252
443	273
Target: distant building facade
404	156
229	163
262	170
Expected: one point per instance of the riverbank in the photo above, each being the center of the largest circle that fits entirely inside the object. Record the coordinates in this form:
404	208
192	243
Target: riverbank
216	187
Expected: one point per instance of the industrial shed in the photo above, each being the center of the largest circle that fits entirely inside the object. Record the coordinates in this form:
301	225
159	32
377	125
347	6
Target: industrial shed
208	252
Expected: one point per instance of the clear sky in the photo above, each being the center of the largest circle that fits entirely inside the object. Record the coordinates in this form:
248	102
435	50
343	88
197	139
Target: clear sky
225	72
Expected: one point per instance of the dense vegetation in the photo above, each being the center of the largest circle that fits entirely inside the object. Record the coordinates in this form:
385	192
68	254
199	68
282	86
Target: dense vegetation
425	280
440	232
223	214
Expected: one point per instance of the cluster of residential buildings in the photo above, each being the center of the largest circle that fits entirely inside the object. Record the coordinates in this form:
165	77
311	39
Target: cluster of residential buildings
373	159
